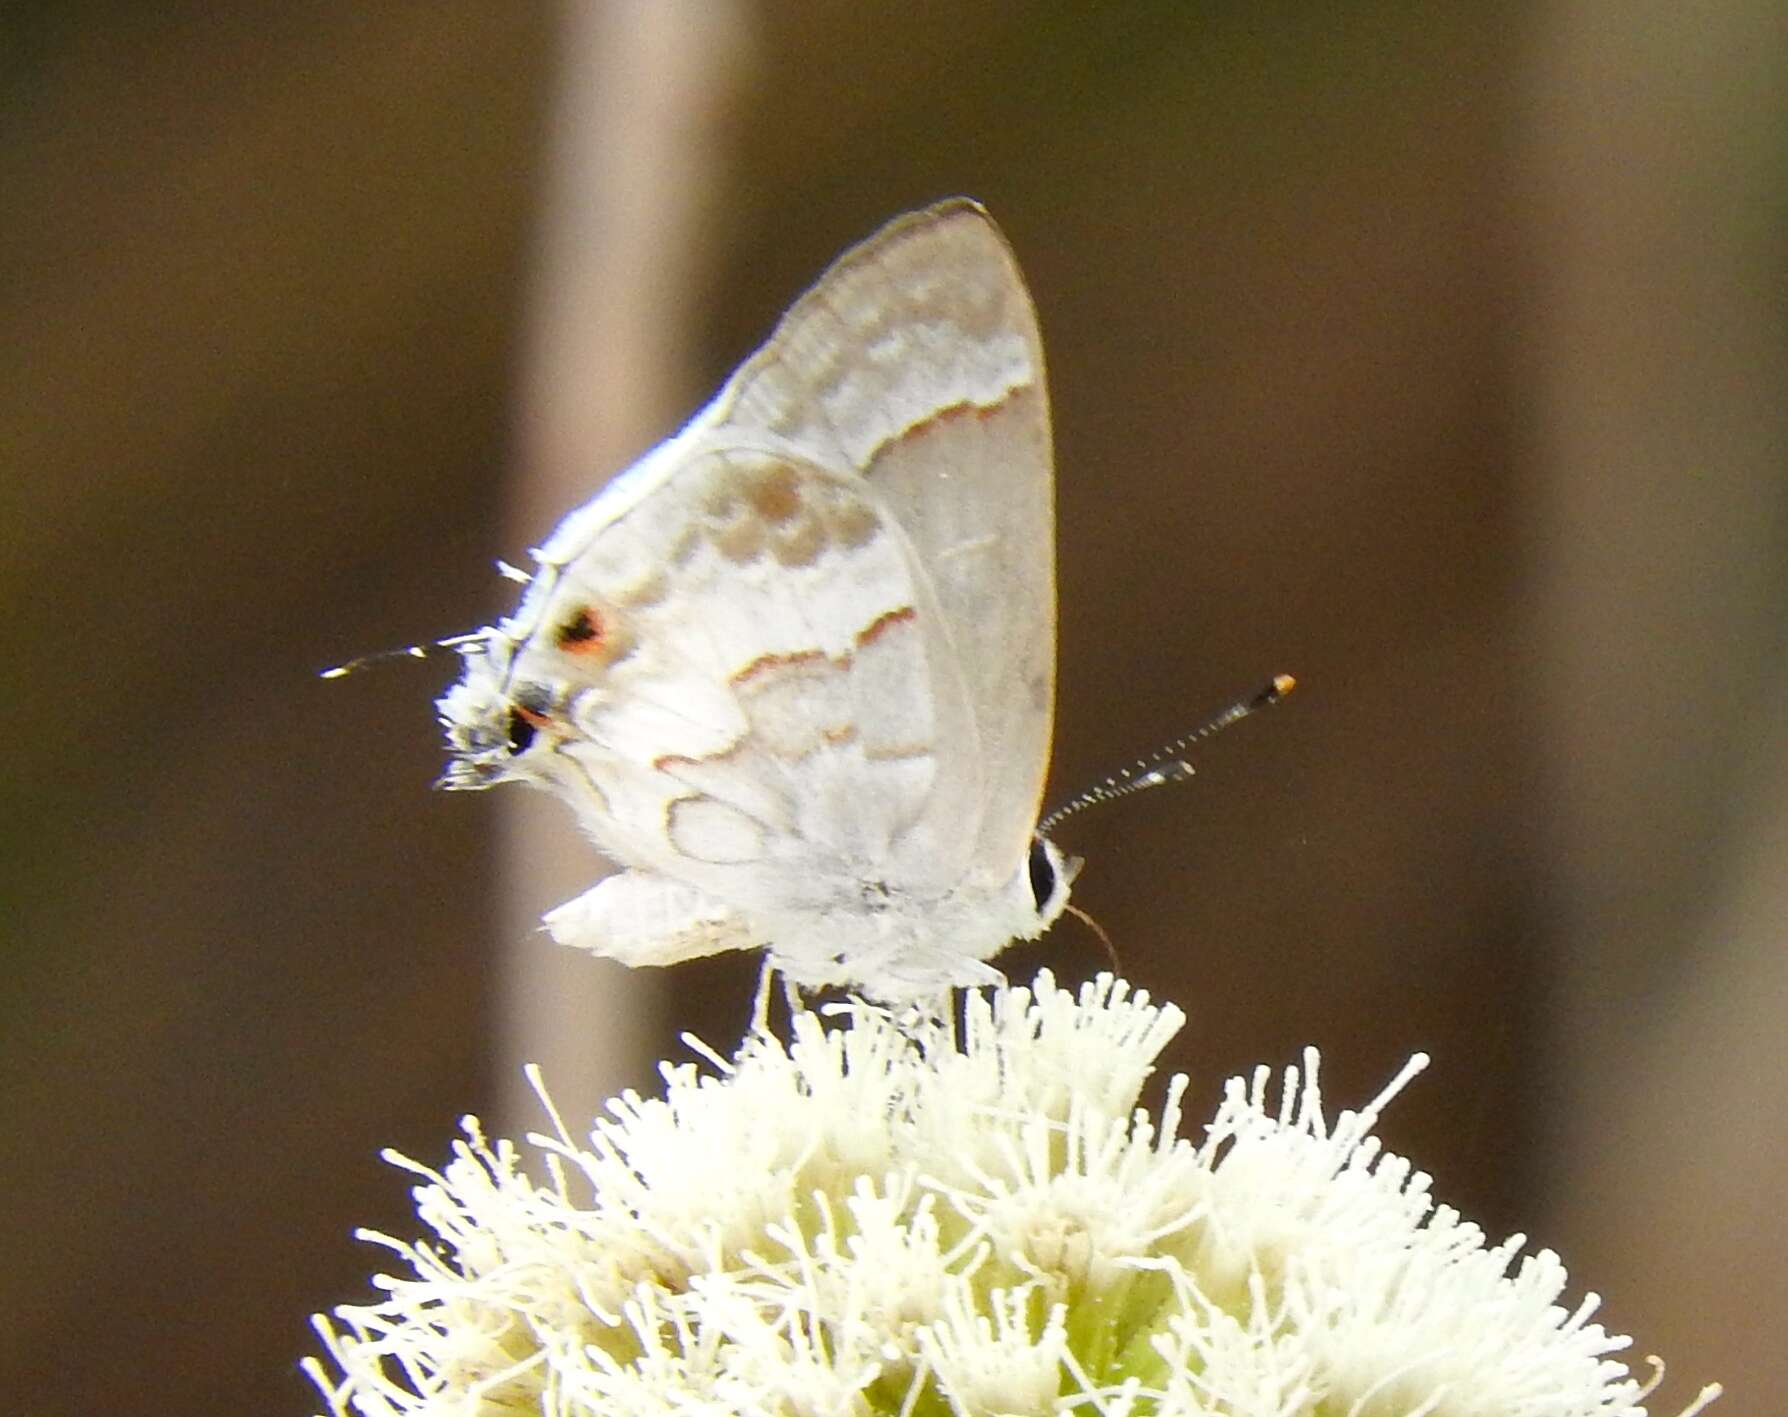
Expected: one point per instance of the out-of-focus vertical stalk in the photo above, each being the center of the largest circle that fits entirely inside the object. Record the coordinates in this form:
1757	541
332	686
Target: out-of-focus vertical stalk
632	175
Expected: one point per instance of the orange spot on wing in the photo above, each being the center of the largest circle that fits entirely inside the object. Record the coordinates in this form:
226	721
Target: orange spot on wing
584	632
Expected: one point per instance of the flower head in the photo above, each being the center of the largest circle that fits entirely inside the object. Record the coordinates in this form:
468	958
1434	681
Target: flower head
895	1215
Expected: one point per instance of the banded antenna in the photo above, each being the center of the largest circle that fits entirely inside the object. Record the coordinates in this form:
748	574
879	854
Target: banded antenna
1165	765
427	647
384	656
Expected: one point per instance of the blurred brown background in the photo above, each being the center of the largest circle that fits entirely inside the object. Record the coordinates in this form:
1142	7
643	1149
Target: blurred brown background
1432	353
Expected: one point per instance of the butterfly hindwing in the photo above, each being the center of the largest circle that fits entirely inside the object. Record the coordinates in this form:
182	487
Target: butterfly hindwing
918	359
735	681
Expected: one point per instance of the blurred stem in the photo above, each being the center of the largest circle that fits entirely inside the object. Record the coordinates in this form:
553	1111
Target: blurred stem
632	169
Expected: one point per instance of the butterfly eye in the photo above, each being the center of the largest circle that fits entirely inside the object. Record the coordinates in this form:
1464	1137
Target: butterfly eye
529	712
1044	880
521	731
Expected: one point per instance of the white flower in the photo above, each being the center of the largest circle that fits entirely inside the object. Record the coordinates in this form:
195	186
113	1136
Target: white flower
883	1216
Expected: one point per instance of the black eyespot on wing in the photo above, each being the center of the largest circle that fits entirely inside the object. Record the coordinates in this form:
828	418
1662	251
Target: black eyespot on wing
1043	878
583	631
521	731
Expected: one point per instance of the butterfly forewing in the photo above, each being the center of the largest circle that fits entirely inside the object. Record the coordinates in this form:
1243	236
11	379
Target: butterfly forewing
918	358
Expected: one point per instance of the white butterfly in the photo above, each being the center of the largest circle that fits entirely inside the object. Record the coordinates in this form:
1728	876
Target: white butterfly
794	670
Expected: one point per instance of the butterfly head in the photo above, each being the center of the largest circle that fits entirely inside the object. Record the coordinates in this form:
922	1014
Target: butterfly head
495	724
523	676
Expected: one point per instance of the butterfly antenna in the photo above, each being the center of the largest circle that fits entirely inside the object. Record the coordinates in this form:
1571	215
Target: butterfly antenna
385	656
1165	765
381	656
422	651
